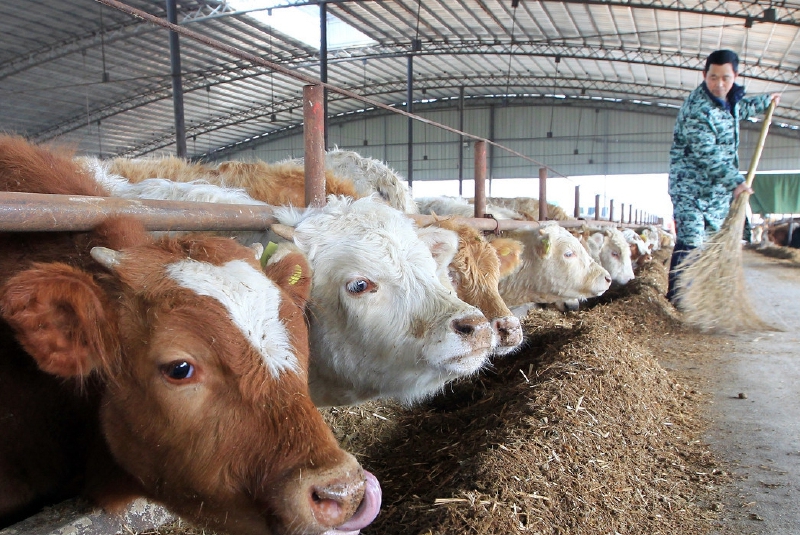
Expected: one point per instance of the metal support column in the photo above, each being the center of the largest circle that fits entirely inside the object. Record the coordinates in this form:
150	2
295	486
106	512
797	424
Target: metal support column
177	86
314	161
480	178
323	66
410	109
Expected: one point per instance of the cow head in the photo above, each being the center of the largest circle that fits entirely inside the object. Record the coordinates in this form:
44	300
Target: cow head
610	249
555	267
204	359
474	272
382	322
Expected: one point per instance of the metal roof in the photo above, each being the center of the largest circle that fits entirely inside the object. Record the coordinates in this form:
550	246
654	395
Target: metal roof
85	74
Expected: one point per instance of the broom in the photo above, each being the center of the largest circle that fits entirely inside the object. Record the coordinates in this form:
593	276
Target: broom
710	287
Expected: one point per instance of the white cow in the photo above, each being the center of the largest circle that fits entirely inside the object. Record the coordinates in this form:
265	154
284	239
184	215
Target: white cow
609	248
443	205
555	268
383	325
370	176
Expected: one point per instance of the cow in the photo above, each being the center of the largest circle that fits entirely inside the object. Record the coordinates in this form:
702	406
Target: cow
475	272
369	175
382	323
641	252
555	268
274	184
173	368
528	208
443	205
609	248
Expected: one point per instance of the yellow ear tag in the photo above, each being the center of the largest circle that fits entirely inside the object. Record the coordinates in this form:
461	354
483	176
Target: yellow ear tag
296	275
269	250
546	244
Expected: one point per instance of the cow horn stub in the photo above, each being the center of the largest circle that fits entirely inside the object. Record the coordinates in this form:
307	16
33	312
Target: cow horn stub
108	258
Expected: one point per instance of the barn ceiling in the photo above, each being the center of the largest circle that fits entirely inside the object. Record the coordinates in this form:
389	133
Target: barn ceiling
94	77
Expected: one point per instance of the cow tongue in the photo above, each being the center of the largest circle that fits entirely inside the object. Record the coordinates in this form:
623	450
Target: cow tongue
366	512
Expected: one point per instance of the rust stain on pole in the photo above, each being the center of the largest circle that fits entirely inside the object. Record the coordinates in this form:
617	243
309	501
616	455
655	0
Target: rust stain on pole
480	178
542	194
314	135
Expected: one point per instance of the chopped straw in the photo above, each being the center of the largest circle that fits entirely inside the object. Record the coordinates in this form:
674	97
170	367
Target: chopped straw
710	287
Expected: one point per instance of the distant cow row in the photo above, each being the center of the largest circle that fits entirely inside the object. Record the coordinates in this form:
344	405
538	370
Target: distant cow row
216	352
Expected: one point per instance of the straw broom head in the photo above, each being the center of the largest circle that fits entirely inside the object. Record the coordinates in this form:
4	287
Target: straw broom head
710	287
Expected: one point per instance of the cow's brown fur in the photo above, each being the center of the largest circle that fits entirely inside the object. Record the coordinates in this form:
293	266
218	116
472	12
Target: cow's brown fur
277	184
223	448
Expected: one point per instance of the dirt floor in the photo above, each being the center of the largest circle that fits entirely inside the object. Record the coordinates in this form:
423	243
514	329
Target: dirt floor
756	402
615	419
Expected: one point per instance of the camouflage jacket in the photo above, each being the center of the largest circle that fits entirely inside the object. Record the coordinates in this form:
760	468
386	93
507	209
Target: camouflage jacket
704	160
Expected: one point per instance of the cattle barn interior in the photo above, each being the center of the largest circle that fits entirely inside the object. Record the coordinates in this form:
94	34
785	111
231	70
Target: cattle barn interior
598	424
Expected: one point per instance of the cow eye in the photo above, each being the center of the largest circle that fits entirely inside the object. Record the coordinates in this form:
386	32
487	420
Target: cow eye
177	371
615	254
359	286
568	253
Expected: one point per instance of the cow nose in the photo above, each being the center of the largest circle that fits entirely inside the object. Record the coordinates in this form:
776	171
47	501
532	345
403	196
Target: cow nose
333	503
508	329
468	325
608	279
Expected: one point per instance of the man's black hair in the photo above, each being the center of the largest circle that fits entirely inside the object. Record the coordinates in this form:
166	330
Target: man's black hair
721	57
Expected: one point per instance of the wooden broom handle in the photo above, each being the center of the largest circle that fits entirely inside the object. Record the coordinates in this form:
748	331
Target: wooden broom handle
751	171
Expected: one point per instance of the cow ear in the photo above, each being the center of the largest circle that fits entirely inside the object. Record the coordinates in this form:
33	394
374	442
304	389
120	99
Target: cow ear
544	243
597	239
509	252
290	270
443	244
284	231
61	317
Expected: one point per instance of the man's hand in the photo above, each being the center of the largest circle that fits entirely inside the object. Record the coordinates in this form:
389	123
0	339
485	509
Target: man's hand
776	98
742	188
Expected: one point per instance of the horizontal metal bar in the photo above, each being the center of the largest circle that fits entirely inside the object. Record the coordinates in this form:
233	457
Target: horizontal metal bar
32	212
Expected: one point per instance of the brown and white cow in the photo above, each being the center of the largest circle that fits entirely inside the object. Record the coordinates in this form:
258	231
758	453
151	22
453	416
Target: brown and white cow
476	270
174	369
275	184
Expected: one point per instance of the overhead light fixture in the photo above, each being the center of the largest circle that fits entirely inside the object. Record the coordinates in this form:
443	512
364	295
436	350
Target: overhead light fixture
770	15
514	3
748	22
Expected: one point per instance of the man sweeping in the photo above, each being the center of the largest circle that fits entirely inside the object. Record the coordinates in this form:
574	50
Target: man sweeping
704	160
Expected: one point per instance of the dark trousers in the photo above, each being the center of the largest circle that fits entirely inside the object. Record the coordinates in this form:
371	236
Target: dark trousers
680	252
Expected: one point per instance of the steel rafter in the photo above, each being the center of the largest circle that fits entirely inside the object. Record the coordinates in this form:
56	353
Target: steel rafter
78	44
786	12
578	52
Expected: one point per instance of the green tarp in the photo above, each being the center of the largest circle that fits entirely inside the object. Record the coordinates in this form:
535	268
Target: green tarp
776	194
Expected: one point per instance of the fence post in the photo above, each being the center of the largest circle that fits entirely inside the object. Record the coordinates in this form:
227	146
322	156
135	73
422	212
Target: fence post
314	138
597	207
611	211
480	178
577	212
542	194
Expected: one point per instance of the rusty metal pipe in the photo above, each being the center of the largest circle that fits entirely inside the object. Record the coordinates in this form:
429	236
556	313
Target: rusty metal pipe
34	212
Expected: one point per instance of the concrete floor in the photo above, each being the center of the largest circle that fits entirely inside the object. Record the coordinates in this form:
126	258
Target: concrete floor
756	407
